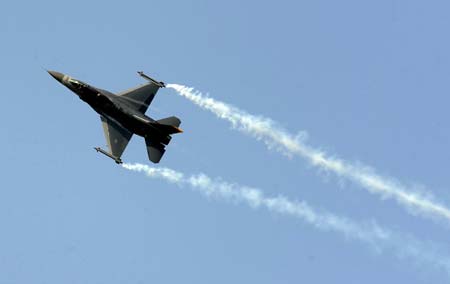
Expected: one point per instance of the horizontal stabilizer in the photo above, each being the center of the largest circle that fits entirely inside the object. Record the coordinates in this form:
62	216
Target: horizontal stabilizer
155	151
167	129
169	125
173	120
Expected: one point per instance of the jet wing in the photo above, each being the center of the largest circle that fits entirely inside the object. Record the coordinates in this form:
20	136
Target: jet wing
116	136
140	97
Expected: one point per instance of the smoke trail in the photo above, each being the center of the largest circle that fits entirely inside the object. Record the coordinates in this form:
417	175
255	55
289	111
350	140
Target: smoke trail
276	137
372	234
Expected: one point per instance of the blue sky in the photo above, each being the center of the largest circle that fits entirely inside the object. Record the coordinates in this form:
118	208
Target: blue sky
366	79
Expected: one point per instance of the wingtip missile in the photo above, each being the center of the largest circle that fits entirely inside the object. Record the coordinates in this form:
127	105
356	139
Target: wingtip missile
116	159
161	84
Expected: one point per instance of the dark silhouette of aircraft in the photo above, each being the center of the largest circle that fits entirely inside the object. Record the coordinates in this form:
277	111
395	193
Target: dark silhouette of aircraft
123	115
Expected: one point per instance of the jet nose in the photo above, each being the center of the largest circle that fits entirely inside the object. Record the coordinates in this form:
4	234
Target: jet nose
58	76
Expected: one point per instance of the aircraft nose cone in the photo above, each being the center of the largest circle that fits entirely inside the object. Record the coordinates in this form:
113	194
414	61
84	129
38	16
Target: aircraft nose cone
58	76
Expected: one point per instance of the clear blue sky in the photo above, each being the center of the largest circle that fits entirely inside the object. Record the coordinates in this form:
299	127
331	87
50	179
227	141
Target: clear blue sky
368	80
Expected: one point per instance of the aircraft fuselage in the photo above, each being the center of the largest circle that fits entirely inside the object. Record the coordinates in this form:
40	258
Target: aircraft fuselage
115	108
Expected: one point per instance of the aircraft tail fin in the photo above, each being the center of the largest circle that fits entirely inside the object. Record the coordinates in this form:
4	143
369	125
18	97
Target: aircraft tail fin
173	121
169	125
155	151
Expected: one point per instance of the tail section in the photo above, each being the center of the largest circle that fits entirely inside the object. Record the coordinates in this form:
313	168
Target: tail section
173	121
155	151
169	125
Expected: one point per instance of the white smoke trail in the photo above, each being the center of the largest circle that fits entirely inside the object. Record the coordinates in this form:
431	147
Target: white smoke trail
276	137
372	234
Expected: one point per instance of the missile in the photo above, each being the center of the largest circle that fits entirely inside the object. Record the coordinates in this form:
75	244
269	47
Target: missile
116	159
160	84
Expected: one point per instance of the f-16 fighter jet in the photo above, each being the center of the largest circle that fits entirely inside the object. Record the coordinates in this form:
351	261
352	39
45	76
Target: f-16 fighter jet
123	115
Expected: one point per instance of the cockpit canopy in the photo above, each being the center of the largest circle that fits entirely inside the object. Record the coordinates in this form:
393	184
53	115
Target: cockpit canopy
80	87
77	84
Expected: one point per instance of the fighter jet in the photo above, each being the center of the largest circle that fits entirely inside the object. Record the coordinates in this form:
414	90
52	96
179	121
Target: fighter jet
123	115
